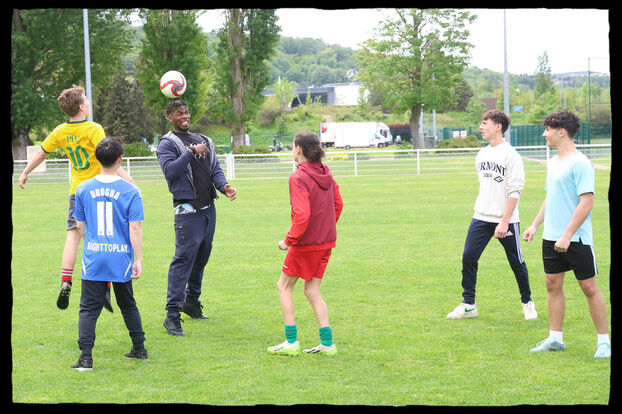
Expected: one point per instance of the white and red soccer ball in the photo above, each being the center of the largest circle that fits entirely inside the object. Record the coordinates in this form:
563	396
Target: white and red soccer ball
173	84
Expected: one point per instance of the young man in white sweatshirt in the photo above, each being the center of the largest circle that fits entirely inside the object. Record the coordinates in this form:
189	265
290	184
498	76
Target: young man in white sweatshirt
501	180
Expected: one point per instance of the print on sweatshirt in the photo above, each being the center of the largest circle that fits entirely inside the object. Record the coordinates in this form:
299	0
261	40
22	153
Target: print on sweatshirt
501	176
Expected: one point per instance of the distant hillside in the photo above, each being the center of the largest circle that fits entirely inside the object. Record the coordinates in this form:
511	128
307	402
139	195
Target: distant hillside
577	79
312	62
308	62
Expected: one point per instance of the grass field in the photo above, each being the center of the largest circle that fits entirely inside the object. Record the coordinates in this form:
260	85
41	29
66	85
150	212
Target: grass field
392	279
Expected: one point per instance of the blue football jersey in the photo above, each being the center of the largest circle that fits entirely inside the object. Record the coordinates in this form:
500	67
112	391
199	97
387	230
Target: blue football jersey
107	204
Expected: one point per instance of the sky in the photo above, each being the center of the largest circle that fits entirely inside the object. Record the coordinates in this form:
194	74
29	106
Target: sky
569	36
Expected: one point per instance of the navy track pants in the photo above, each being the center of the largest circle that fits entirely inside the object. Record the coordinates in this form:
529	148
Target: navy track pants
194	234
479	234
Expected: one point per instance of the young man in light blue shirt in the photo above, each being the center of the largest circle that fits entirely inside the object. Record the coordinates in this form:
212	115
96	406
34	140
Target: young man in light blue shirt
567	236
109	212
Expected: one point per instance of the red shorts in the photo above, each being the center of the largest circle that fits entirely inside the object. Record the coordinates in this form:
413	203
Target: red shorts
306	264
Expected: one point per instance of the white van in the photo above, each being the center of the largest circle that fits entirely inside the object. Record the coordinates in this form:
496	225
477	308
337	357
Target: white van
355	134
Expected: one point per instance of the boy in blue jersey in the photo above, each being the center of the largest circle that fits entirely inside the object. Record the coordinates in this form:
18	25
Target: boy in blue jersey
109	212
567	235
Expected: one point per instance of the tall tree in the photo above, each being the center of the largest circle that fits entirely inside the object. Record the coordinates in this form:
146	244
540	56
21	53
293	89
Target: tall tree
174	41
543	82
246	43
415	59
463	93
47	56
123	111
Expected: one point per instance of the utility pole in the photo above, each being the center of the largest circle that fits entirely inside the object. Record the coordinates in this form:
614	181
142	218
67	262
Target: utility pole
87	60
506	88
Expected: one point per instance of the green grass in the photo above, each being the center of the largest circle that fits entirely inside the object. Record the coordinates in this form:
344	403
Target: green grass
393	277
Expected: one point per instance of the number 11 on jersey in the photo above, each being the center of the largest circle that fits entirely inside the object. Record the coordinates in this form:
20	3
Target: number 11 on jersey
104	219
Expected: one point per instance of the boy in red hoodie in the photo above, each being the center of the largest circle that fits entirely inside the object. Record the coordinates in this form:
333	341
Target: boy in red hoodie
316	205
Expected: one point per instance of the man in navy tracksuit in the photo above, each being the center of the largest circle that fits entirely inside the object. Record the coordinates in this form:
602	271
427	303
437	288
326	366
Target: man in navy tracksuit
193	174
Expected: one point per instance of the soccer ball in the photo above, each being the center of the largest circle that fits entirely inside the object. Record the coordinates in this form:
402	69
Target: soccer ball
173	84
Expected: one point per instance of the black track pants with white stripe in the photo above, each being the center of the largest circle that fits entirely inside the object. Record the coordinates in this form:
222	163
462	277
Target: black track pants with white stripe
479	234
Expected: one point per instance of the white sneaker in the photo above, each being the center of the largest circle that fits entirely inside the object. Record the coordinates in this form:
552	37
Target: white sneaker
529	310
463	310
603	350
285	348
322	349
548	344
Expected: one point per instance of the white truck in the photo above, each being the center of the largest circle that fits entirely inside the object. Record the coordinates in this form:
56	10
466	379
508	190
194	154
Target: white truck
355	134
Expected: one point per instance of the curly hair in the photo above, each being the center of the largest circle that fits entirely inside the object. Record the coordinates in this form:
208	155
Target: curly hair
563	119
173	105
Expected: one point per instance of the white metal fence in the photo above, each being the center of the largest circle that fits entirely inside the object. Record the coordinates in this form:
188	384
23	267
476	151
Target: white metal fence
345	163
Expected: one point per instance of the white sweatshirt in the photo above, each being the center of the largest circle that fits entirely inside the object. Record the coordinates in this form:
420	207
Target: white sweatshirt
501	175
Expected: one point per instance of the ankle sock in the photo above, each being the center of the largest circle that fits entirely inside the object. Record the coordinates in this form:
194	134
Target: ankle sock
603	338
291	333
326	336
557	335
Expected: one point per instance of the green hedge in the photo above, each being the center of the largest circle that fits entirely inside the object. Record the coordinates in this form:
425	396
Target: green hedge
467	142
254	149
132	149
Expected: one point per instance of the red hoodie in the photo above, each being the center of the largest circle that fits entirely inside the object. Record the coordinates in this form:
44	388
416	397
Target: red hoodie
316	206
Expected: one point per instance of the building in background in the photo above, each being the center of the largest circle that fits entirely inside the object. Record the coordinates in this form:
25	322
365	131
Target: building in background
338	94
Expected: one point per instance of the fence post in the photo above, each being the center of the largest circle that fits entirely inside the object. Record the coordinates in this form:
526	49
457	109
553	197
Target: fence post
418	166
227	169
548	154
230	162
356	167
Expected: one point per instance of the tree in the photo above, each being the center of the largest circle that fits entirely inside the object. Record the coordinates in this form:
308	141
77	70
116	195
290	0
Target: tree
246	43
47	56
463	93
296	74
543	82
284	92
475	109
123	111
174	41
415	59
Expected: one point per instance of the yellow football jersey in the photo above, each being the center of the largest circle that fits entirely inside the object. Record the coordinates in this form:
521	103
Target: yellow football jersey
78	140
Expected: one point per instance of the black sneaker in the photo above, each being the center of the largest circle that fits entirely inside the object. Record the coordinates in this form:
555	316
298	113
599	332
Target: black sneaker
63	297
85	363
137	353
194	310
173	326
107	303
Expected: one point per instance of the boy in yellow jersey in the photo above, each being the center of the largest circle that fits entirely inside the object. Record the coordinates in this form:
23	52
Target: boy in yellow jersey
78	138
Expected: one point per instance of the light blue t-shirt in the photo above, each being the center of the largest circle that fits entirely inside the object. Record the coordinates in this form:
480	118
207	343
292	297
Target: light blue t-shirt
566	180
107	204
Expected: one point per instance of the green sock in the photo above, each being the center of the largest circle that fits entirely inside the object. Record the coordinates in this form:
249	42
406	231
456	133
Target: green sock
326	336
291	333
